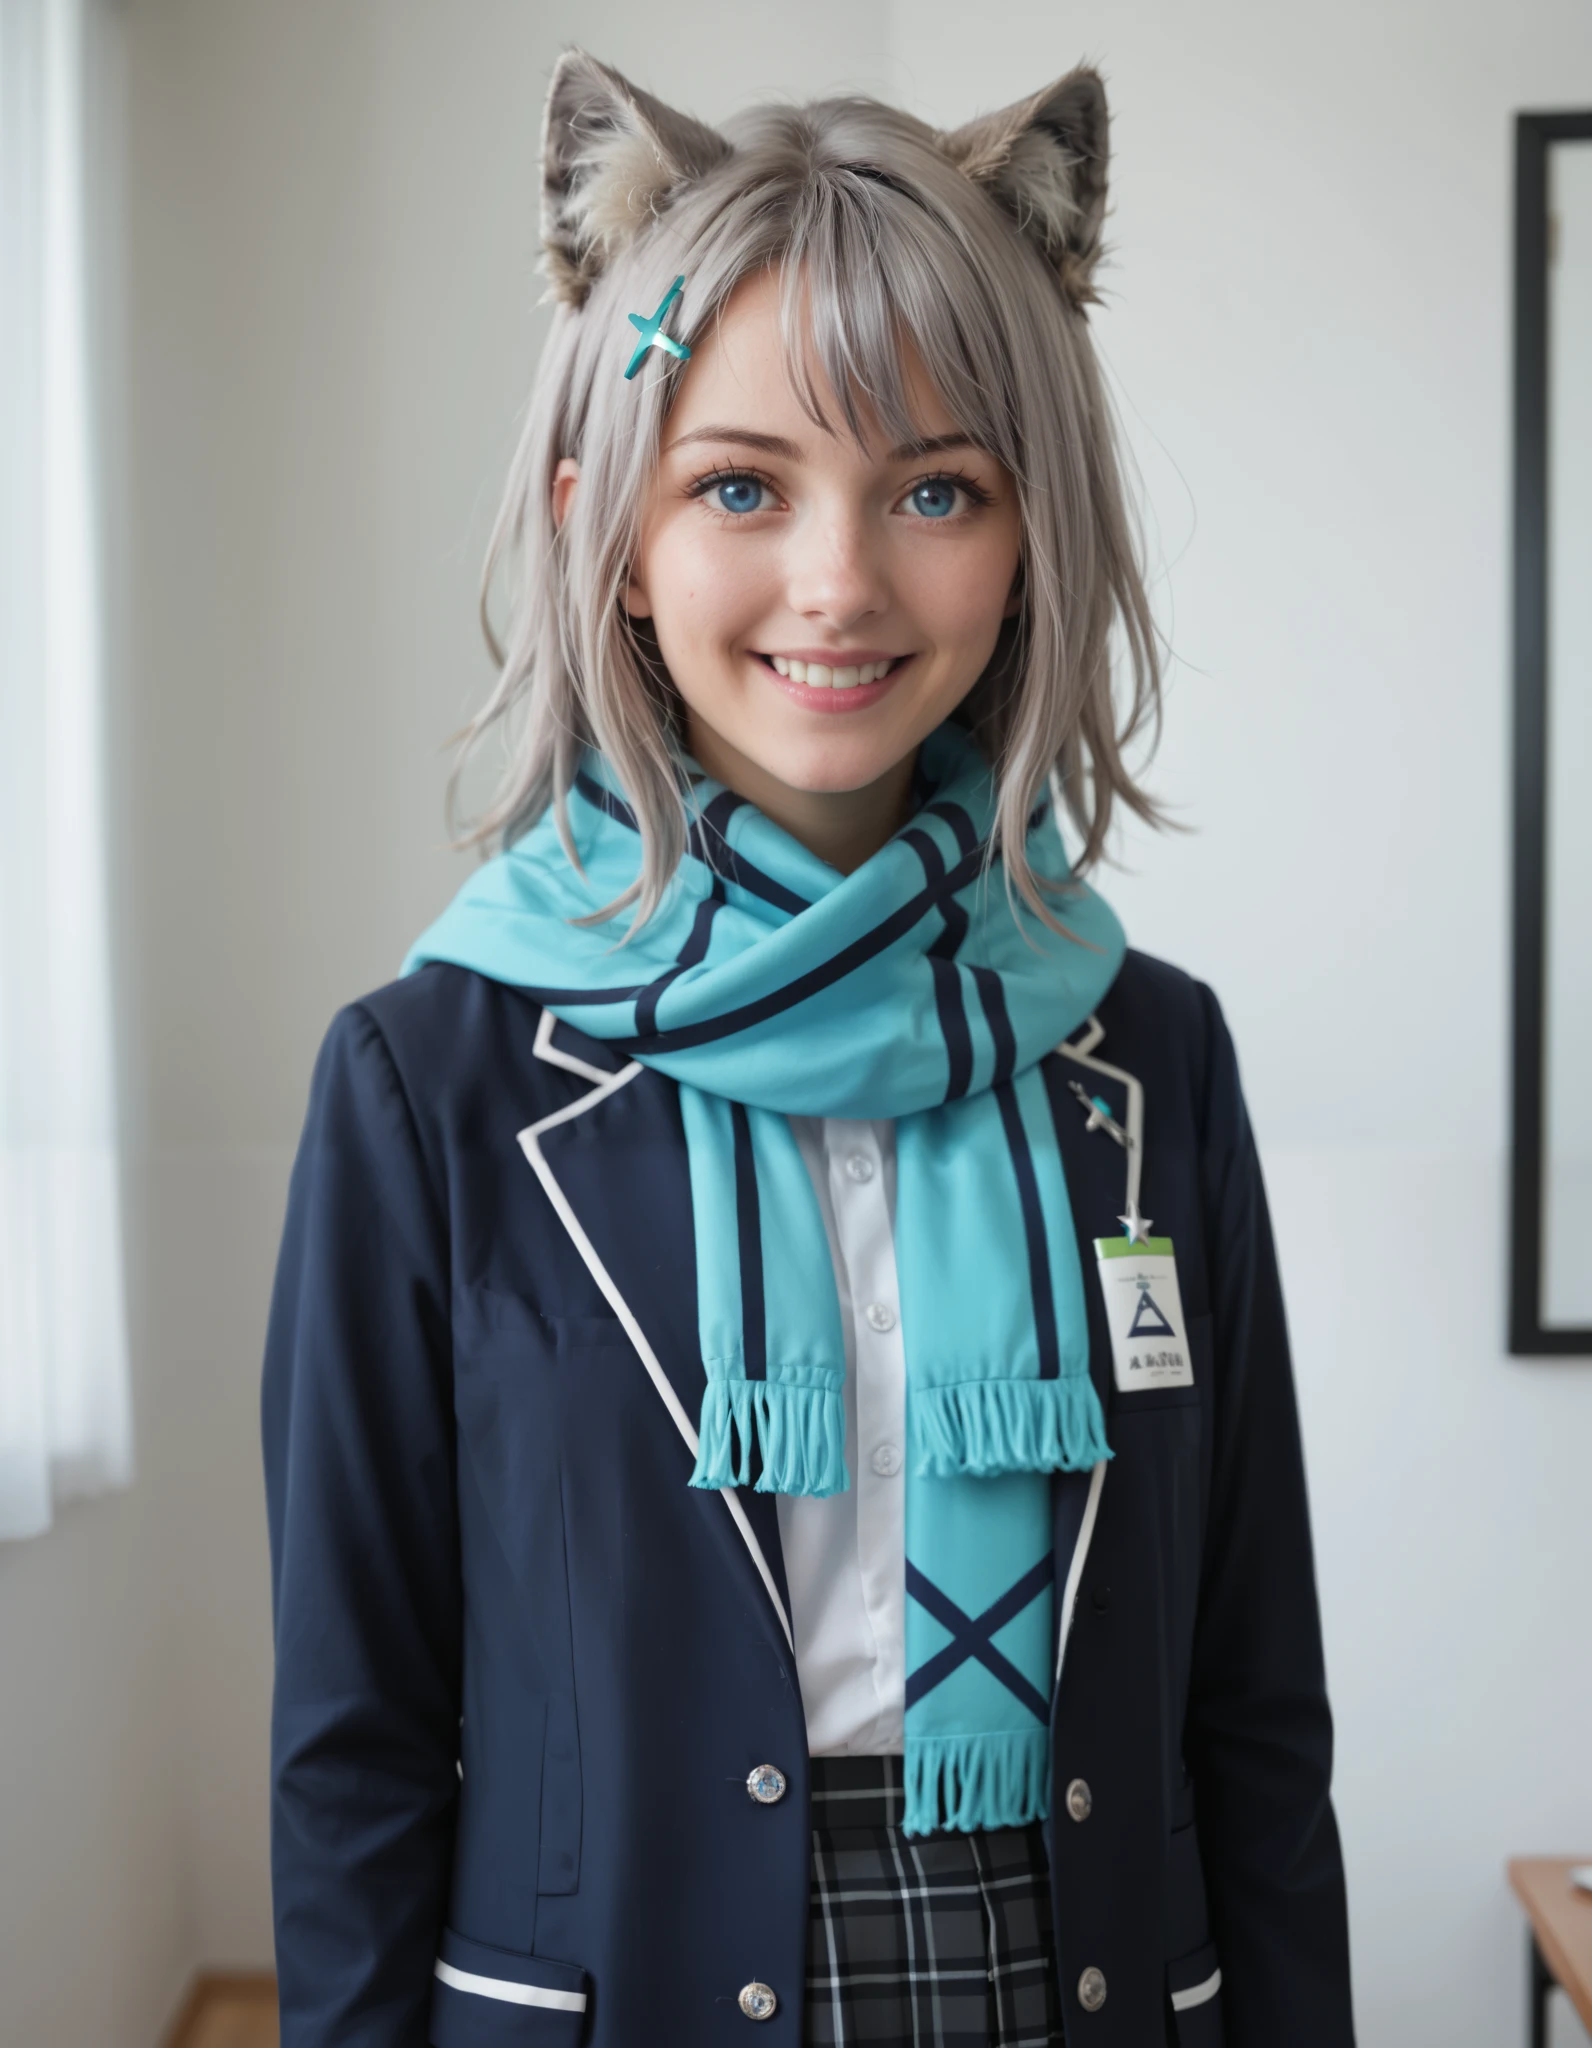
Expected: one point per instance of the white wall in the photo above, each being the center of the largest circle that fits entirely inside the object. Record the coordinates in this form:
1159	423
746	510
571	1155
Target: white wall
93	1893
332	327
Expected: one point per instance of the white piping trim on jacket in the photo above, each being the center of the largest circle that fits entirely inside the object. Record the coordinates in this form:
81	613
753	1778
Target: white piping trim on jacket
529	1144
1094	1031
509	1993
1197	1994
1080	1552
545	1049
1135	1088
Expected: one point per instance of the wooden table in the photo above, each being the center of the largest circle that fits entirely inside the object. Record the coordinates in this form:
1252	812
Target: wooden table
1561	1936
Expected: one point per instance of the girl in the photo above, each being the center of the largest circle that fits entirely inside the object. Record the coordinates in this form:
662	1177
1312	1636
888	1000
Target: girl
770	1540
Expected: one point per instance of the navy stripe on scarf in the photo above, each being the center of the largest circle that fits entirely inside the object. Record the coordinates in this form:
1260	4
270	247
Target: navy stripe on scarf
749	1238
941	956
707	842
1033	1232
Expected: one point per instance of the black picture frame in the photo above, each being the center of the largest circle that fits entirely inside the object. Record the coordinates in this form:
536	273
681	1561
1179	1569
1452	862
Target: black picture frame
1535	135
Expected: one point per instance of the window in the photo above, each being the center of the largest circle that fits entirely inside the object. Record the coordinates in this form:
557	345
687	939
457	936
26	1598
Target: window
64	1410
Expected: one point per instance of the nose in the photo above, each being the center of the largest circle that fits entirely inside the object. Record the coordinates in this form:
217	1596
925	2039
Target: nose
835	573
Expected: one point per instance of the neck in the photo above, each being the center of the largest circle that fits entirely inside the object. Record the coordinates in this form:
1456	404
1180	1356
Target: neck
844	827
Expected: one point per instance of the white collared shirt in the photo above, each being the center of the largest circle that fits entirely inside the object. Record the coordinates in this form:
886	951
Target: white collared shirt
845	1557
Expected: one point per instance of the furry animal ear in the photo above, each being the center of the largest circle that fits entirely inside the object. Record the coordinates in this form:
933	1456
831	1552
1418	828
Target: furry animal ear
1044	160
611	156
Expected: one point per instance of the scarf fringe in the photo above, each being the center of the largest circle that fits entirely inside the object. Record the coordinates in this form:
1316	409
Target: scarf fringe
800	1433
985	1427
970	1782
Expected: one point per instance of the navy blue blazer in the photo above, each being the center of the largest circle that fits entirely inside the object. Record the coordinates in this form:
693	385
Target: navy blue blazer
524	1670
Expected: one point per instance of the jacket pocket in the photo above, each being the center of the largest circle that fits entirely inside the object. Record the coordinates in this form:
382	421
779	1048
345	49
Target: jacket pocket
1194	1987
1193	1980
493	1998
1187	1925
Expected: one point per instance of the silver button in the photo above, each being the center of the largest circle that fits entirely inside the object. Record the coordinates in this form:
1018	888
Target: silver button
1080	1800
881	1316
1091	1989
767	1784
859	1167
758	2002
886	1460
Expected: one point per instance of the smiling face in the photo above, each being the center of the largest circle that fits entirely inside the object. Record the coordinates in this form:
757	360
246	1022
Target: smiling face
821	606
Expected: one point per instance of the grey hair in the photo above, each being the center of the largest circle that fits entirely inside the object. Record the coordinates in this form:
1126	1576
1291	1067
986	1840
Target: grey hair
980	245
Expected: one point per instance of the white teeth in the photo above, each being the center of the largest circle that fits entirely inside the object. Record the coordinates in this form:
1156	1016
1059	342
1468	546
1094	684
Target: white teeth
818	676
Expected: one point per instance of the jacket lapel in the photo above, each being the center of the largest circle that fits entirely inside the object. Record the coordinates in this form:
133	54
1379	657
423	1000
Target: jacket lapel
614	1166
1102	1176
1097	1169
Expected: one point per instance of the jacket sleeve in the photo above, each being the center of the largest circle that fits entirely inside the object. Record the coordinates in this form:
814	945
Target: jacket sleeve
1259	1736
357	1417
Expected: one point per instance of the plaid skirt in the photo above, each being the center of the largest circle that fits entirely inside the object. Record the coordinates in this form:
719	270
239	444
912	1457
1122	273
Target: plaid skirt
926	1941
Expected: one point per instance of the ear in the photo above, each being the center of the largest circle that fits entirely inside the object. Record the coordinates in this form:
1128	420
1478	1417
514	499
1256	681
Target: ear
566	481
611	157
1044	160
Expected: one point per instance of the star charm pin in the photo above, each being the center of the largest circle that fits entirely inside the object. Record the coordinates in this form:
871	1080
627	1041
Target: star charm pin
1136	1225
1100	1117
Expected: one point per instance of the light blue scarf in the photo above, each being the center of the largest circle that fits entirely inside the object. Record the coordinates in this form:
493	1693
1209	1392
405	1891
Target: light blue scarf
769	985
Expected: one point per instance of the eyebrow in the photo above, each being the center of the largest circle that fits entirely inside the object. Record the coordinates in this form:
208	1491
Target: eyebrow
776	444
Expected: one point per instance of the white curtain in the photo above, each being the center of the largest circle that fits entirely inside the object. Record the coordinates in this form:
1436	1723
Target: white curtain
64	1409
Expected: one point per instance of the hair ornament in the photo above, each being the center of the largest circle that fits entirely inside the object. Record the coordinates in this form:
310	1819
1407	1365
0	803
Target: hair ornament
652	334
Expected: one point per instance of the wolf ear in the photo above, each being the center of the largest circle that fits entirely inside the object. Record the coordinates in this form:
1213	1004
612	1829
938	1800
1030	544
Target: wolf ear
611	156
1044	160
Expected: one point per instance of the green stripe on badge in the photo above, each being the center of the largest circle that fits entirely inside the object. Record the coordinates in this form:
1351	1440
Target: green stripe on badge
1120	1248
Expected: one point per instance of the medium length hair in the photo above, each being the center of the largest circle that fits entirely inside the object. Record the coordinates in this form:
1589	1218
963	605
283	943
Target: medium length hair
979	245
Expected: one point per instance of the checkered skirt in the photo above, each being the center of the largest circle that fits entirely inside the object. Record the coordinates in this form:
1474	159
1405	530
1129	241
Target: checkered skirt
926	1941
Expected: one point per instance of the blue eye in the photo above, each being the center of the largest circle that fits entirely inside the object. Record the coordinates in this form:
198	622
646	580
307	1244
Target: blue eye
935	498
739	494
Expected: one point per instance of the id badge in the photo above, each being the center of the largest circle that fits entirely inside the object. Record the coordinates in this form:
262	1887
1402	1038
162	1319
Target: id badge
1149	1344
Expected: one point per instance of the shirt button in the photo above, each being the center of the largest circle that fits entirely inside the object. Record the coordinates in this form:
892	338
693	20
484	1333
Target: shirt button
881	1316
886	1460
758	2002
1080	1800
859	1167
1091	1989
767	1784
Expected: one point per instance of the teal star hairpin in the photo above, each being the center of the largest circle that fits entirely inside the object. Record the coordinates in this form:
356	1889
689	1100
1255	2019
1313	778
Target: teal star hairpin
652	334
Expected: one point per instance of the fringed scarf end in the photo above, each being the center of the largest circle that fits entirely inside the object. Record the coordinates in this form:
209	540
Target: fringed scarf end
984	1427
800	1434
972	1782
